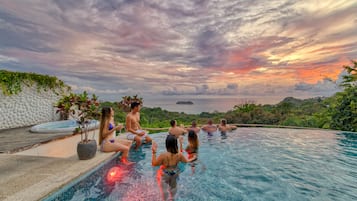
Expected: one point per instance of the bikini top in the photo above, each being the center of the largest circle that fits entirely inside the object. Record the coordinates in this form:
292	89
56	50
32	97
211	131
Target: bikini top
111	126
190	150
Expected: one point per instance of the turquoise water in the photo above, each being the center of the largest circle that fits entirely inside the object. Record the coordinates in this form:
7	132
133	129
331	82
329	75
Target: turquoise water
248	164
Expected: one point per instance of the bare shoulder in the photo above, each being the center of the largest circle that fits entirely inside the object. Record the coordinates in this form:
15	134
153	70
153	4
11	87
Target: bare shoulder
180	155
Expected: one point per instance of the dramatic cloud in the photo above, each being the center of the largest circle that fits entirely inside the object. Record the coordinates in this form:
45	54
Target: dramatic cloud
266	49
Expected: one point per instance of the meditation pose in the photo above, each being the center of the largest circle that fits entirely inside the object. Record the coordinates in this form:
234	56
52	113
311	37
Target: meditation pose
224	127
107	140
209	128
133	126
169	172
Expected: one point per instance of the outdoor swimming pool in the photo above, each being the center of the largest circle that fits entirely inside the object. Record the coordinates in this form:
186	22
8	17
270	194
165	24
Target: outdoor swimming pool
248	164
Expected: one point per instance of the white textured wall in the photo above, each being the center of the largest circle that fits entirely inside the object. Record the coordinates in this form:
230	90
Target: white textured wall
27	108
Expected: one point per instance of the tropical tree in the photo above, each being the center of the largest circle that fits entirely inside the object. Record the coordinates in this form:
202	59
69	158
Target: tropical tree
344	115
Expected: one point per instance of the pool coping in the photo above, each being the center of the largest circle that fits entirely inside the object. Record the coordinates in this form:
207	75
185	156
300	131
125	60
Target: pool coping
54	182
76	180
47	175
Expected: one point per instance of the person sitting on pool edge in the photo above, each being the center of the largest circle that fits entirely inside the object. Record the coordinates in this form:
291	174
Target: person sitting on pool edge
133	126
223	127
169	172
107	140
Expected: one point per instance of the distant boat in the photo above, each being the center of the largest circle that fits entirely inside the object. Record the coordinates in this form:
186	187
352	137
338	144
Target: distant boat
184	102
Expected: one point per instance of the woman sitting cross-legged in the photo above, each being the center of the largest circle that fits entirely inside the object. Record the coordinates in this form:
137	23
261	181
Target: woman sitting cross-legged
107	140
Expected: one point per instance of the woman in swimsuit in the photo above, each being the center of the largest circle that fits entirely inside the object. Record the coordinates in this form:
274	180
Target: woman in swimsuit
168	172
107	140
192	148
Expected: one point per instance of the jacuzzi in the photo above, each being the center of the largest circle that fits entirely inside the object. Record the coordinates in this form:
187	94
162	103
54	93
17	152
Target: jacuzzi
66	126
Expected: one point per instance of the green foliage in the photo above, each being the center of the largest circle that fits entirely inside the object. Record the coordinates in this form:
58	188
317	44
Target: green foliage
344	111
350	79
11	82
344	115
245	107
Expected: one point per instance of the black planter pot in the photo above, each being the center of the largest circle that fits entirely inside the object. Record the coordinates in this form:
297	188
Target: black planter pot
86	150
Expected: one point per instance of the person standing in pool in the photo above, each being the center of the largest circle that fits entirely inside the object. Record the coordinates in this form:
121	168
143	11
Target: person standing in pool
107	140
210	128
223	127
168	172
133	126
194	127
192	147
177	131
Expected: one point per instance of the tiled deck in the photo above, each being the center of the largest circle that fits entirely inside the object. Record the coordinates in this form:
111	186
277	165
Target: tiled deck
34	173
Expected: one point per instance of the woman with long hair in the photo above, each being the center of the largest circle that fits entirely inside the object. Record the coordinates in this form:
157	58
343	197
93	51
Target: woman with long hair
169	172
107	140
192	148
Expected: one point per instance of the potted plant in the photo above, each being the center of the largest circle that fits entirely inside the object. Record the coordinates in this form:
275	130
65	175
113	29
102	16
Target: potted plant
83	109
88	109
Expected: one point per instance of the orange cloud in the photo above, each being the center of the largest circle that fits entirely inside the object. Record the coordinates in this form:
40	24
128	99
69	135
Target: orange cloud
311	73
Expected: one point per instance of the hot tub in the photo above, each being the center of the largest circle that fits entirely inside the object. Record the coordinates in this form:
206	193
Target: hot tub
66	126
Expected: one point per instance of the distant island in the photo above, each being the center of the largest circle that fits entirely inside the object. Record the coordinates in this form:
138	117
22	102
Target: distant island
184	102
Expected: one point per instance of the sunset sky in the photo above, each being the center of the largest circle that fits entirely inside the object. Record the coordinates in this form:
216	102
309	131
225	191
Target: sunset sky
259	49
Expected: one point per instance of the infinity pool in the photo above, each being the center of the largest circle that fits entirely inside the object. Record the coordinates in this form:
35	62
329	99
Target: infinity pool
248	164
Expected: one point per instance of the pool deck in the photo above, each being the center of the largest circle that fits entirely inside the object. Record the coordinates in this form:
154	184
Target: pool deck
28	173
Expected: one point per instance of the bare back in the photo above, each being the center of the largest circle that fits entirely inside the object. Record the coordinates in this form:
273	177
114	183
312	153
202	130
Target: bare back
177	131
170	160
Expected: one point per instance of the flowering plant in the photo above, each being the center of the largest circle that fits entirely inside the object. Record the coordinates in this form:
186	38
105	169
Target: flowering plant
80	107
126	101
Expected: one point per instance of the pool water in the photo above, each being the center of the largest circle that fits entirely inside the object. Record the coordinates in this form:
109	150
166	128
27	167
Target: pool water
247	164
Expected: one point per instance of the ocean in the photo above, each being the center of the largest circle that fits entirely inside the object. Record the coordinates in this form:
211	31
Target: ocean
200	104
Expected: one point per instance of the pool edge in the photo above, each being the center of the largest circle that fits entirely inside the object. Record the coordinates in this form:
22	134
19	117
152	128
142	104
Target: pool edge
67	172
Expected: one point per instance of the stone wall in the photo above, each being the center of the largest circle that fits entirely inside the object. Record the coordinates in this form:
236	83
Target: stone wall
29	107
